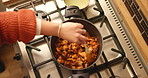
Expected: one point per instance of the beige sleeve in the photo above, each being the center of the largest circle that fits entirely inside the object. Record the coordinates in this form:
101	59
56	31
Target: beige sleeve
38	26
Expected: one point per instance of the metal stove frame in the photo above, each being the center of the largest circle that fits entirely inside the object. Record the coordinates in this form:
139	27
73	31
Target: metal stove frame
96	68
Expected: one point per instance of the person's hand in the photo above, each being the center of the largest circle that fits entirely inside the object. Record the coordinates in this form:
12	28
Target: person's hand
72	32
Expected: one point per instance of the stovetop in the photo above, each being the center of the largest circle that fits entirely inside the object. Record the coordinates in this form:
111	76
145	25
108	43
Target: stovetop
118	60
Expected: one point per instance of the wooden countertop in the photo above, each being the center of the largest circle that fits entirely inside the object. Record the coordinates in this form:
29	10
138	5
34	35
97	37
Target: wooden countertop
131	26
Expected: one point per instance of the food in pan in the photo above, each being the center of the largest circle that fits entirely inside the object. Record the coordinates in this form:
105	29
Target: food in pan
73	55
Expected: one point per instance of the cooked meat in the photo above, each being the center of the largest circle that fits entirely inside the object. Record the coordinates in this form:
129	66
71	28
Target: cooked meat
73	55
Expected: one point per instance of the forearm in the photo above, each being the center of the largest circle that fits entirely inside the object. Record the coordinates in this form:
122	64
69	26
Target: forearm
49	28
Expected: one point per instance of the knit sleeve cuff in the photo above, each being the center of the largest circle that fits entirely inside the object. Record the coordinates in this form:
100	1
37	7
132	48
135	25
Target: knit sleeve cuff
27	25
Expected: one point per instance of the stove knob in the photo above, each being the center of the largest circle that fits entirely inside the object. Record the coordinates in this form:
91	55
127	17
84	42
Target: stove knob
17	56
48	76
2	67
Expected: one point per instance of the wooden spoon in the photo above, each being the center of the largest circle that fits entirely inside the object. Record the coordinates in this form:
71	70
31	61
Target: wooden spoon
89	56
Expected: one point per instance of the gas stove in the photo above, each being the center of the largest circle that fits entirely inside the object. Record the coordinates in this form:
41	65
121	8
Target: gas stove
118	60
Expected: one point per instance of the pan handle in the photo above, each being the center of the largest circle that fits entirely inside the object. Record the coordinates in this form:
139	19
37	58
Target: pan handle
73	12
80	75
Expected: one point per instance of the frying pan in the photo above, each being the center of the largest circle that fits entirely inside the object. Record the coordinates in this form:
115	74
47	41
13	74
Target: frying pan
93	32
